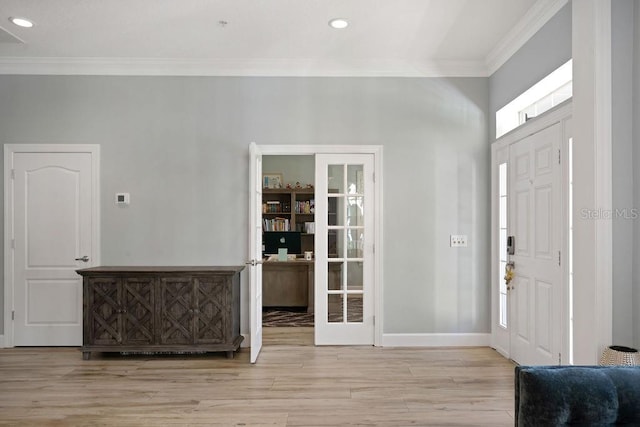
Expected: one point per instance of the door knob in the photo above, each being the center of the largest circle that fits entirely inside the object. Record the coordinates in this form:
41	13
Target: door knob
83	259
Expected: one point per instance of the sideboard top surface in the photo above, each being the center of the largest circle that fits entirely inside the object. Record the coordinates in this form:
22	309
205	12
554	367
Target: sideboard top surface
229	269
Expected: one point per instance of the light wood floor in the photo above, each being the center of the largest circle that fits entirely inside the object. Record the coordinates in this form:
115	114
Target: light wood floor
294	384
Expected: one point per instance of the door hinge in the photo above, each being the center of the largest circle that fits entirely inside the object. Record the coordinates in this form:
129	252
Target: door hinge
559	358
559	254
13	174
13	243
13	315
558	156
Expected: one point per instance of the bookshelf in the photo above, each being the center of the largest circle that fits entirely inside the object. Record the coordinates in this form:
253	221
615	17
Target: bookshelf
286	209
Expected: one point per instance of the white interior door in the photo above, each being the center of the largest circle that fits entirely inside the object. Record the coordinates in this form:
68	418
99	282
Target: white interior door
255	251
535	213
52	228
344	266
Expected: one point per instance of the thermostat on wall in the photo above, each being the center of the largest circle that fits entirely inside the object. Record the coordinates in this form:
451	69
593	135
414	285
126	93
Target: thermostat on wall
122	198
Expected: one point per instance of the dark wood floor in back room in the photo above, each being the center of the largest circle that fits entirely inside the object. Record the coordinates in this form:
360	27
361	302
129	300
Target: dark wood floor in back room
294	384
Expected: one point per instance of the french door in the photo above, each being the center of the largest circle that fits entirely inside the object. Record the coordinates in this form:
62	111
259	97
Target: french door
344	267
255	251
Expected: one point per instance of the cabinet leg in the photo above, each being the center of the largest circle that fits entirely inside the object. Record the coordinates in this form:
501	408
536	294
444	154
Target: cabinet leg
86	355
229	354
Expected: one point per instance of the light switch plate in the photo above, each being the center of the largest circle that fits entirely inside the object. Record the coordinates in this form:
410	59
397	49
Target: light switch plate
458	240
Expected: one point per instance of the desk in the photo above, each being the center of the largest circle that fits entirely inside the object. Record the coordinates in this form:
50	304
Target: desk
288	284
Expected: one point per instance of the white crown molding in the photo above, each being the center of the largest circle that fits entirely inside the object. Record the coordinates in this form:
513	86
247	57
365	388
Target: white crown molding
539	14
193	67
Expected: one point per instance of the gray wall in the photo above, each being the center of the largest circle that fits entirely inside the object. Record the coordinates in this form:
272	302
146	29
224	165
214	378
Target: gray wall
293	168
622	179
179	145
549	48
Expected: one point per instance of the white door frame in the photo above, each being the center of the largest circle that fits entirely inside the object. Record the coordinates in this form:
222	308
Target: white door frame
9	151
562	114
376	151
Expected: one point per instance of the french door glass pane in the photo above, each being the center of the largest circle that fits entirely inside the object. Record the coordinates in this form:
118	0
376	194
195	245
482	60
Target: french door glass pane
335	275
335	308
355	275
355	242
355	182
355	210
335	247
336	211
354	308
336	178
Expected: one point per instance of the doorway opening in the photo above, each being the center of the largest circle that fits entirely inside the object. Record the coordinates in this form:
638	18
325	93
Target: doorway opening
288	212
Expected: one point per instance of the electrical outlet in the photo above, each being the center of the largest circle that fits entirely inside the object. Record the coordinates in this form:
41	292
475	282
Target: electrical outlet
458	240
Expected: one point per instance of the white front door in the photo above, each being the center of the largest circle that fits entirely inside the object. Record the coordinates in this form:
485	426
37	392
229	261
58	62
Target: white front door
344	267
255	250
535	222
52	232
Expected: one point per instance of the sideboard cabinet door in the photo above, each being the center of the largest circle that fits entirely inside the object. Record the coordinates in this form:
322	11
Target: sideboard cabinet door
102	311
213	296
138	311
176	310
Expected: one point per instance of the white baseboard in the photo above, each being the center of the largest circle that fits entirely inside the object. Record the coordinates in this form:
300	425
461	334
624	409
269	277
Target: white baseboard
246	342
436	340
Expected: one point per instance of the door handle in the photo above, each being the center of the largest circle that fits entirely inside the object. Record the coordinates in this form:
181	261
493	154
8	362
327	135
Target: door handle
83	259
253	262
508	274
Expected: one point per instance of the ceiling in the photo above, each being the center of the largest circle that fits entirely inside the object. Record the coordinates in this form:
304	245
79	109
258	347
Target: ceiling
267	37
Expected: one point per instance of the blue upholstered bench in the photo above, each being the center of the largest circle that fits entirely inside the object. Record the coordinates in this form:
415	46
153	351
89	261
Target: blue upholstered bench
577	395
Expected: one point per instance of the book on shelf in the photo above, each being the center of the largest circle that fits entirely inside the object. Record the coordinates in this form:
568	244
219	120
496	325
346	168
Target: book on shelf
276	224
305	206
272	206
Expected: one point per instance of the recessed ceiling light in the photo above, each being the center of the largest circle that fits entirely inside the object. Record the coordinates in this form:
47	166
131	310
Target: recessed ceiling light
21	22
338	23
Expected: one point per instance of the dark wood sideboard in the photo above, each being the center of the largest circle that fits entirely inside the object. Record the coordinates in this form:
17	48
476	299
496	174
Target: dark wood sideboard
161	309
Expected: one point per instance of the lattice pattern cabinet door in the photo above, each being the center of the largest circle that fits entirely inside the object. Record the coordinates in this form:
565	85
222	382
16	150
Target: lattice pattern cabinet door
176	310
212	315
102	311
138	311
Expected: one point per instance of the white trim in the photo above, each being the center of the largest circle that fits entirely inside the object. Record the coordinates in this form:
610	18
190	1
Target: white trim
376	150
593	311
603	309
539	14
9	151
436	340
246	342
254	67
